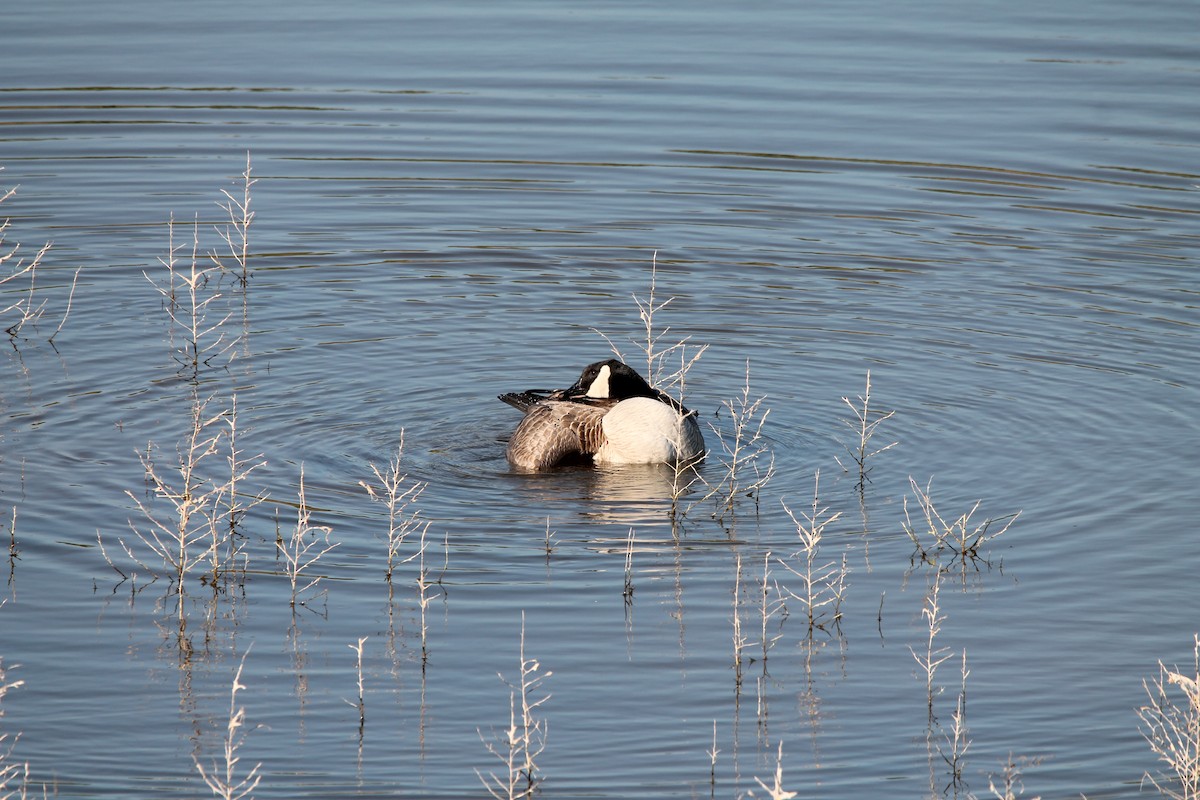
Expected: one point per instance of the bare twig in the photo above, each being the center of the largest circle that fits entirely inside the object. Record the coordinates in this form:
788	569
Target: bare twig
67	313
236	234
933	656
628	591
222	777
304	548
519	745
776	790
745	450
27	306
183	538
712	759
822	584
1172	728
361	705
958	739
1011	784
961	538
864	428
202	342
771	603
14	776
397	493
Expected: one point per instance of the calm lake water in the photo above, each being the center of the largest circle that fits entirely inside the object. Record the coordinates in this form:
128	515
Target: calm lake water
993	210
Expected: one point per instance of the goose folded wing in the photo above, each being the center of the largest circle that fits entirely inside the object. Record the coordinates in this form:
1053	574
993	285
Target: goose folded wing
556	433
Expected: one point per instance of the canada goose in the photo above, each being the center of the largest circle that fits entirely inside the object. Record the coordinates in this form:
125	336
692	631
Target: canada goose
610	416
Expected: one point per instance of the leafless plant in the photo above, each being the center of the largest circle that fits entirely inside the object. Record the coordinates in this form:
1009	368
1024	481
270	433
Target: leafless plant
658	353
1011	784
712	760
222	777
822	583
187	298
748	461
14	776
1172	728
226	541
182	538
360	705
520	744
12	542
550	542
424	595
864	428
740	643
958	739
192	519
629	543
776	790
932	656
684	472
961	538
304	547
652	344
67	313
397	493
771	602
236	233
29	307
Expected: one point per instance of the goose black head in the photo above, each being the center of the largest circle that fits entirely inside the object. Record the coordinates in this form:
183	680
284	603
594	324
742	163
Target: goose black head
610	380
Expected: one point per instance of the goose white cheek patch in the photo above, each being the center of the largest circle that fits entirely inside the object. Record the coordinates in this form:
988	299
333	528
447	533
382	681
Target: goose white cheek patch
599	387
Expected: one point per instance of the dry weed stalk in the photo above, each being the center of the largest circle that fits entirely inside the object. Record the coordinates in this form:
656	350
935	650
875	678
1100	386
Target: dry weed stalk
202	342
183	539
14	777
961	538
13	552
227	547
200	513
776	790
769	606
684	472
222	778
958	739
656	356
520	744
743	450
627	593
236	234
551	543
1172	728
712	760
656	374
1011	786
933	656
304	547
739	640
397	493
27	306
864	427
822	584
361	704
425	584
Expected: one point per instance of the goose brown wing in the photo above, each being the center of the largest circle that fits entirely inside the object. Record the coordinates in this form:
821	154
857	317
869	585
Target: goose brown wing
554	433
